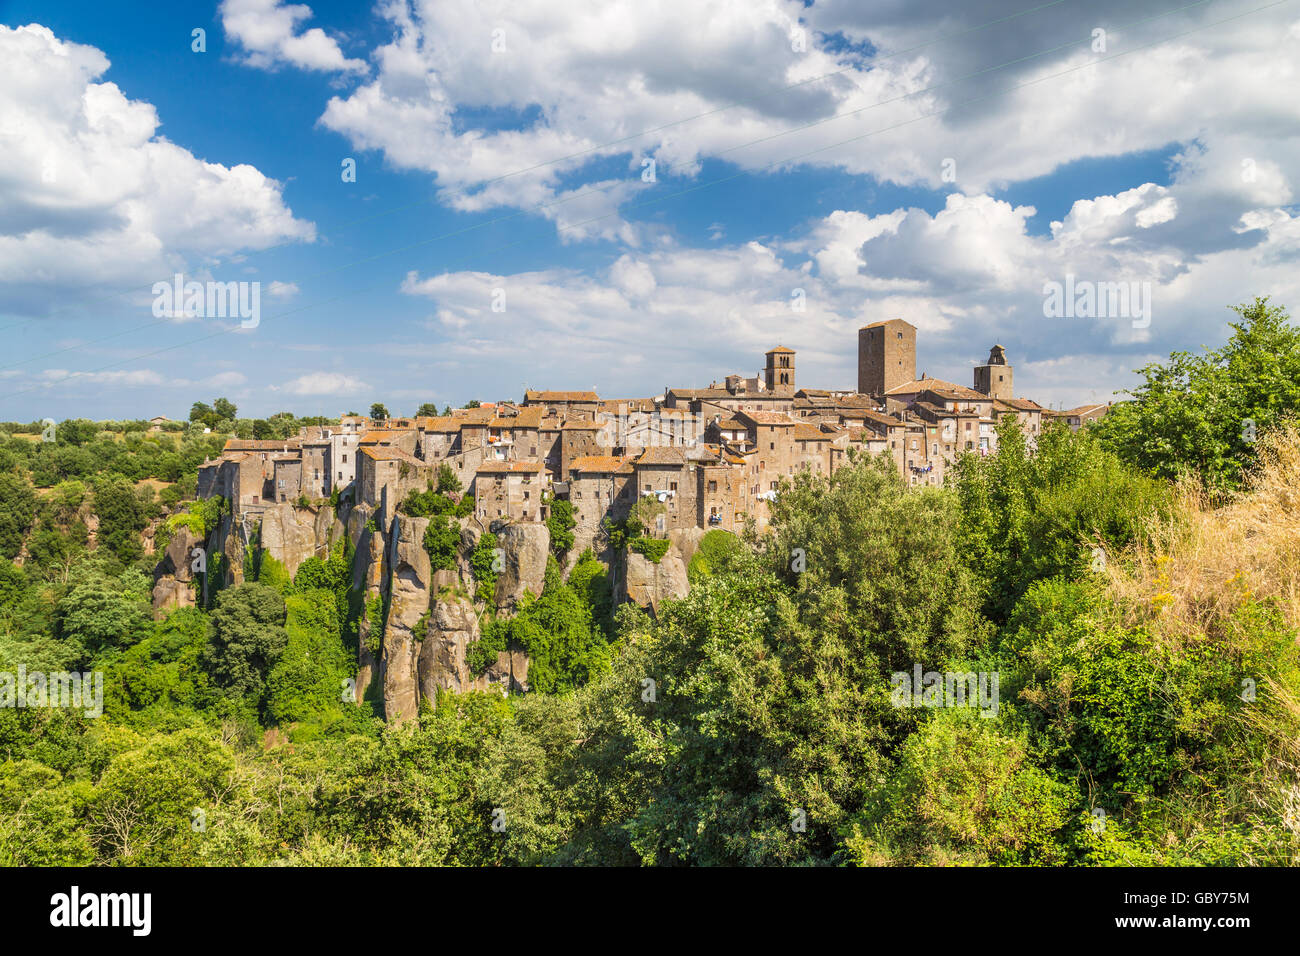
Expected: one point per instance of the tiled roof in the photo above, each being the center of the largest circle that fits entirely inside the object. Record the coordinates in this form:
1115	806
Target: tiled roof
561	397
779	348
702	393
869	415
804	432
441	424
612	405
920	385
259	444
659	455
1019	404
601	464
767	418
875	325
388	453
383	436
1085	410
958	393
509	467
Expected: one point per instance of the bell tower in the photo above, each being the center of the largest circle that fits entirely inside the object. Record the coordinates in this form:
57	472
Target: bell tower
778	376
993	378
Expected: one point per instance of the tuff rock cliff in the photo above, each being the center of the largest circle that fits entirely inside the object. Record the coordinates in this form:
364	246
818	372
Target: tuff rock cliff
414	625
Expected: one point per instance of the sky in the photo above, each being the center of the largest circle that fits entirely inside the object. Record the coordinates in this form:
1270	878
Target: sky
442	200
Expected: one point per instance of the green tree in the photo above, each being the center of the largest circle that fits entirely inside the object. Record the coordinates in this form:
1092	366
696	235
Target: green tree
121	518
447	480
441	539
17	512
560	522
246	637
379	411
1201	414
1029	516
103	613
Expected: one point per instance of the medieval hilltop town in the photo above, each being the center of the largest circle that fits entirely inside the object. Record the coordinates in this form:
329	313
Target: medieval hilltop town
713	458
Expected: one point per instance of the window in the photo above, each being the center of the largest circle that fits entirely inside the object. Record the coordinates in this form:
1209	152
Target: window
771	446
713	486
672	486
345	459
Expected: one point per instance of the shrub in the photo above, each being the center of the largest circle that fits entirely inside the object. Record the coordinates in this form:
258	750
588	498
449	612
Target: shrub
652	548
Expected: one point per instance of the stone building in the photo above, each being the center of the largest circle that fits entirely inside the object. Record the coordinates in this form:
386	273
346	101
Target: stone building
600	487
714	457
510	490
778	373
994	376
886	356
664	474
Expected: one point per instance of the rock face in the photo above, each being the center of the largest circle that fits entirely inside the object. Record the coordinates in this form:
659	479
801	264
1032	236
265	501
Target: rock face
368	580
291	535
687	541
173	576
414	625
525	548
408	602
647	583
452	627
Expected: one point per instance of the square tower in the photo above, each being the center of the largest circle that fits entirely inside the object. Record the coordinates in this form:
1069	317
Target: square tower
778	375
886	356
993	378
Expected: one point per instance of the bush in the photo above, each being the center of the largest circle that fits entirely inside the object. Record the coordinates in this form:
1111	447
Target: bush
652	548
715	553
441	541
560	522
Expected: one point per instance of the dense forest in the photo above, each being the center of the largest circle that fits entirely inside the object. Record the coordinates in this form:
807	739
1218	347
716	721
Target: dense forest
1134	587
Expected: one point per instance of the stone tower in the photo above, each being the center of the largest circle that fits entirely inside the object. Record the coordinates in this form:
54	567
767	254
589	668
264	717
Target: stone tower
993	378
778	376
886	356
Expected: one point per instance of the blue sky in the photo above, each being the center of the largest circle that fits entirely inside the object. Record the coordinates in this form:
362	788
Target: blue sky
887	159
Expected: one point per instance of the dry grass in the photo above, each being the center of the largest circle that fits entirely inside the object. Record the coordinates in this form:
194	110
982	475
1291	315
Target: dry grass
1205	562
1187	581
